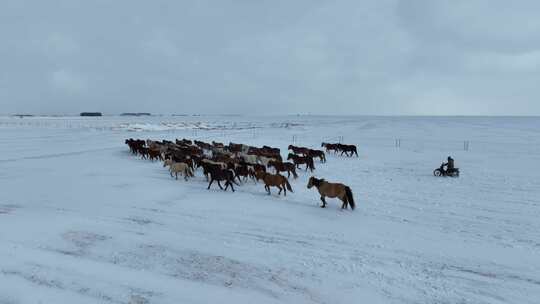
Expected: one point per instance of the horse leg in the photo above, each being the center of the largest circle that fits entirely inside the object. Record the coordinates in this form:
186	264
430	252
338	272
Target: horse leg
176	175
219	184
232	187
211	181
280	189
323	202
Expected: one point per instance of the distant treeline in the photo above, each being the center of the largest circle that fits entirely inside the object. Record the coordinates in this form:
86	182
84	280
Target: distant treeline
136	114
91	114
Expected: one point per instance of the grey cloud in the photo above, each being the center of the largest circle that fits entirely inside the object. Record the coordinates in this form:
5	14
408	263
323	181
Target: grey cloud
334	57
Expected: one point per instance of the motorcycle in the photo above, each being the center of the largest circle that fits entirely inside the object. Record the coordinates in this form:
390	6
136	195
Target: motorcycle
441	172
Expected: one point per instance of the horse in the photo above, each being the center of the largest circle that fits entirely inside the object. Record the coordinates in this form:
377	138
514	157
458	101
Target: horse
243	170
332	190
274	180
256	167
184	142
299	150
265	160
282	167
154	154
134	145
221	164
248	158
143	152
217	144
347	148
176	168
218	174
270	150
317	153
298	160
330	147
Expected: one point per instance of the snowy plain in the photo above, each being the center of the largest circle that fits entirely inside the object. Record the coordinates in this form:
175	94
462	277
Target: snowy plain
84	221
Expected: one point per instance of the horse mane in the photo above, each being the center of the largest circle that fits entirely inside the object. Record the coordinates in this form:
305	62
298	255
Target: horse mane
317	182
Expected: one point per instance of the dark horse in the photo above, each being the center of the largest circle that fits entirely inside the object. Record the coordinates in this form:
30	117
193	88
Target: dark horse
218	174
330	147
347	148
283	167
299	150
317	153
298	160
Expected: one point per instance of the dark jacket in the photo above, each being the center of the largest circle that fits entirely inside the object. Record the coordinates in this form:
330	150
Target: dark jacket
450	164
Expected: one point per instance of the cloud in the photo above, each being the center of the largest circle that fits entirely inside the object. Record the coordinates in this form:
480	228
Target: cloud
233	56
67	81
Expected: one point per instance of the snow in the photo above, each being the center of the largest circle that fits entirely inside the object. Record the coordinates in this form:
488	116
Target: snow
84	221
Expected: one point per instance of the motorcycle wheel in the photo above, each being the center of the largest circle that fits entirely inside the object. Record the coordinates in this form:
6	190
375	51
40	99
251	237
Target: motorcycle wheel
437	172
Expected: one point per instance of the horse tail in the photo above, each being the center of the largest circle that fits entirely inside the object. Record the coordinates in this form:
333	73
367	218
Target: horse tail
288	185
349	196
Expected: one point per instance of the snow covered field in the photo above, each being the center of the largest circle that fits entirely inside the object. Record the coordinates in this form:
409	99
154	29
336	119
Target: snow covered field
84	221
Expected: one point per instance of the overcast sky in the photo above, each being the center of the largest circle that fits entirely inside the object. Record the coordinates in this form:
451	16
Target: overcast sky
271	56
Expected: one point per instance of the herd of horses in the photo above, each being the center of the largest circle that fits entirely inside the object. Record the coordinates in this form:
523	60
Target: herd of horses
234	162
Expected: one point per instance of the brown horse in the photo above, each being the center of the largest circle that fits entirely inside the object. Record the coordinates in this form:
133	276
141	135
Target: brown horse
154	154
330	147
299	150
283	167
274	180
332	190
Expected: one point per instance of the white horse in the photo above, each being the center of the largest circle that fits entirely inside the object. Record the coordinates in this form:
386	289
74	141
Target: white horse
263	160
248	158
176	168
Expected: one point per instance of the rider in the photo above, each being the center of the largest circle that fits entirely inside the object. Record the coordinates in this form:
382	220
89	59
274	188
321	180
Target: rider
449	165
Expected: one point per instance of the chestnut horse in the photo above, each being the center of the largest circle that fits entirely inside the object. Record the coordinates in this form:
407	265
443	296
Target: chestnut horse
274	180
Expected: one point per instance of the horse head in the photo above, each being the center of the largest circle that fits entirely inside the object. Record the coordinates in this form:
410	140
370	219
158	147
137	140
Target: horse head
310	182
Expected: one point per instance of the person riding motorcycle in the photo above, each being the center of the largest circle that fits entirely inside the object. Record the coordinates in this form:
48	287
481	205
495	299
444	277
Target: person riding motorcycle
449	165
